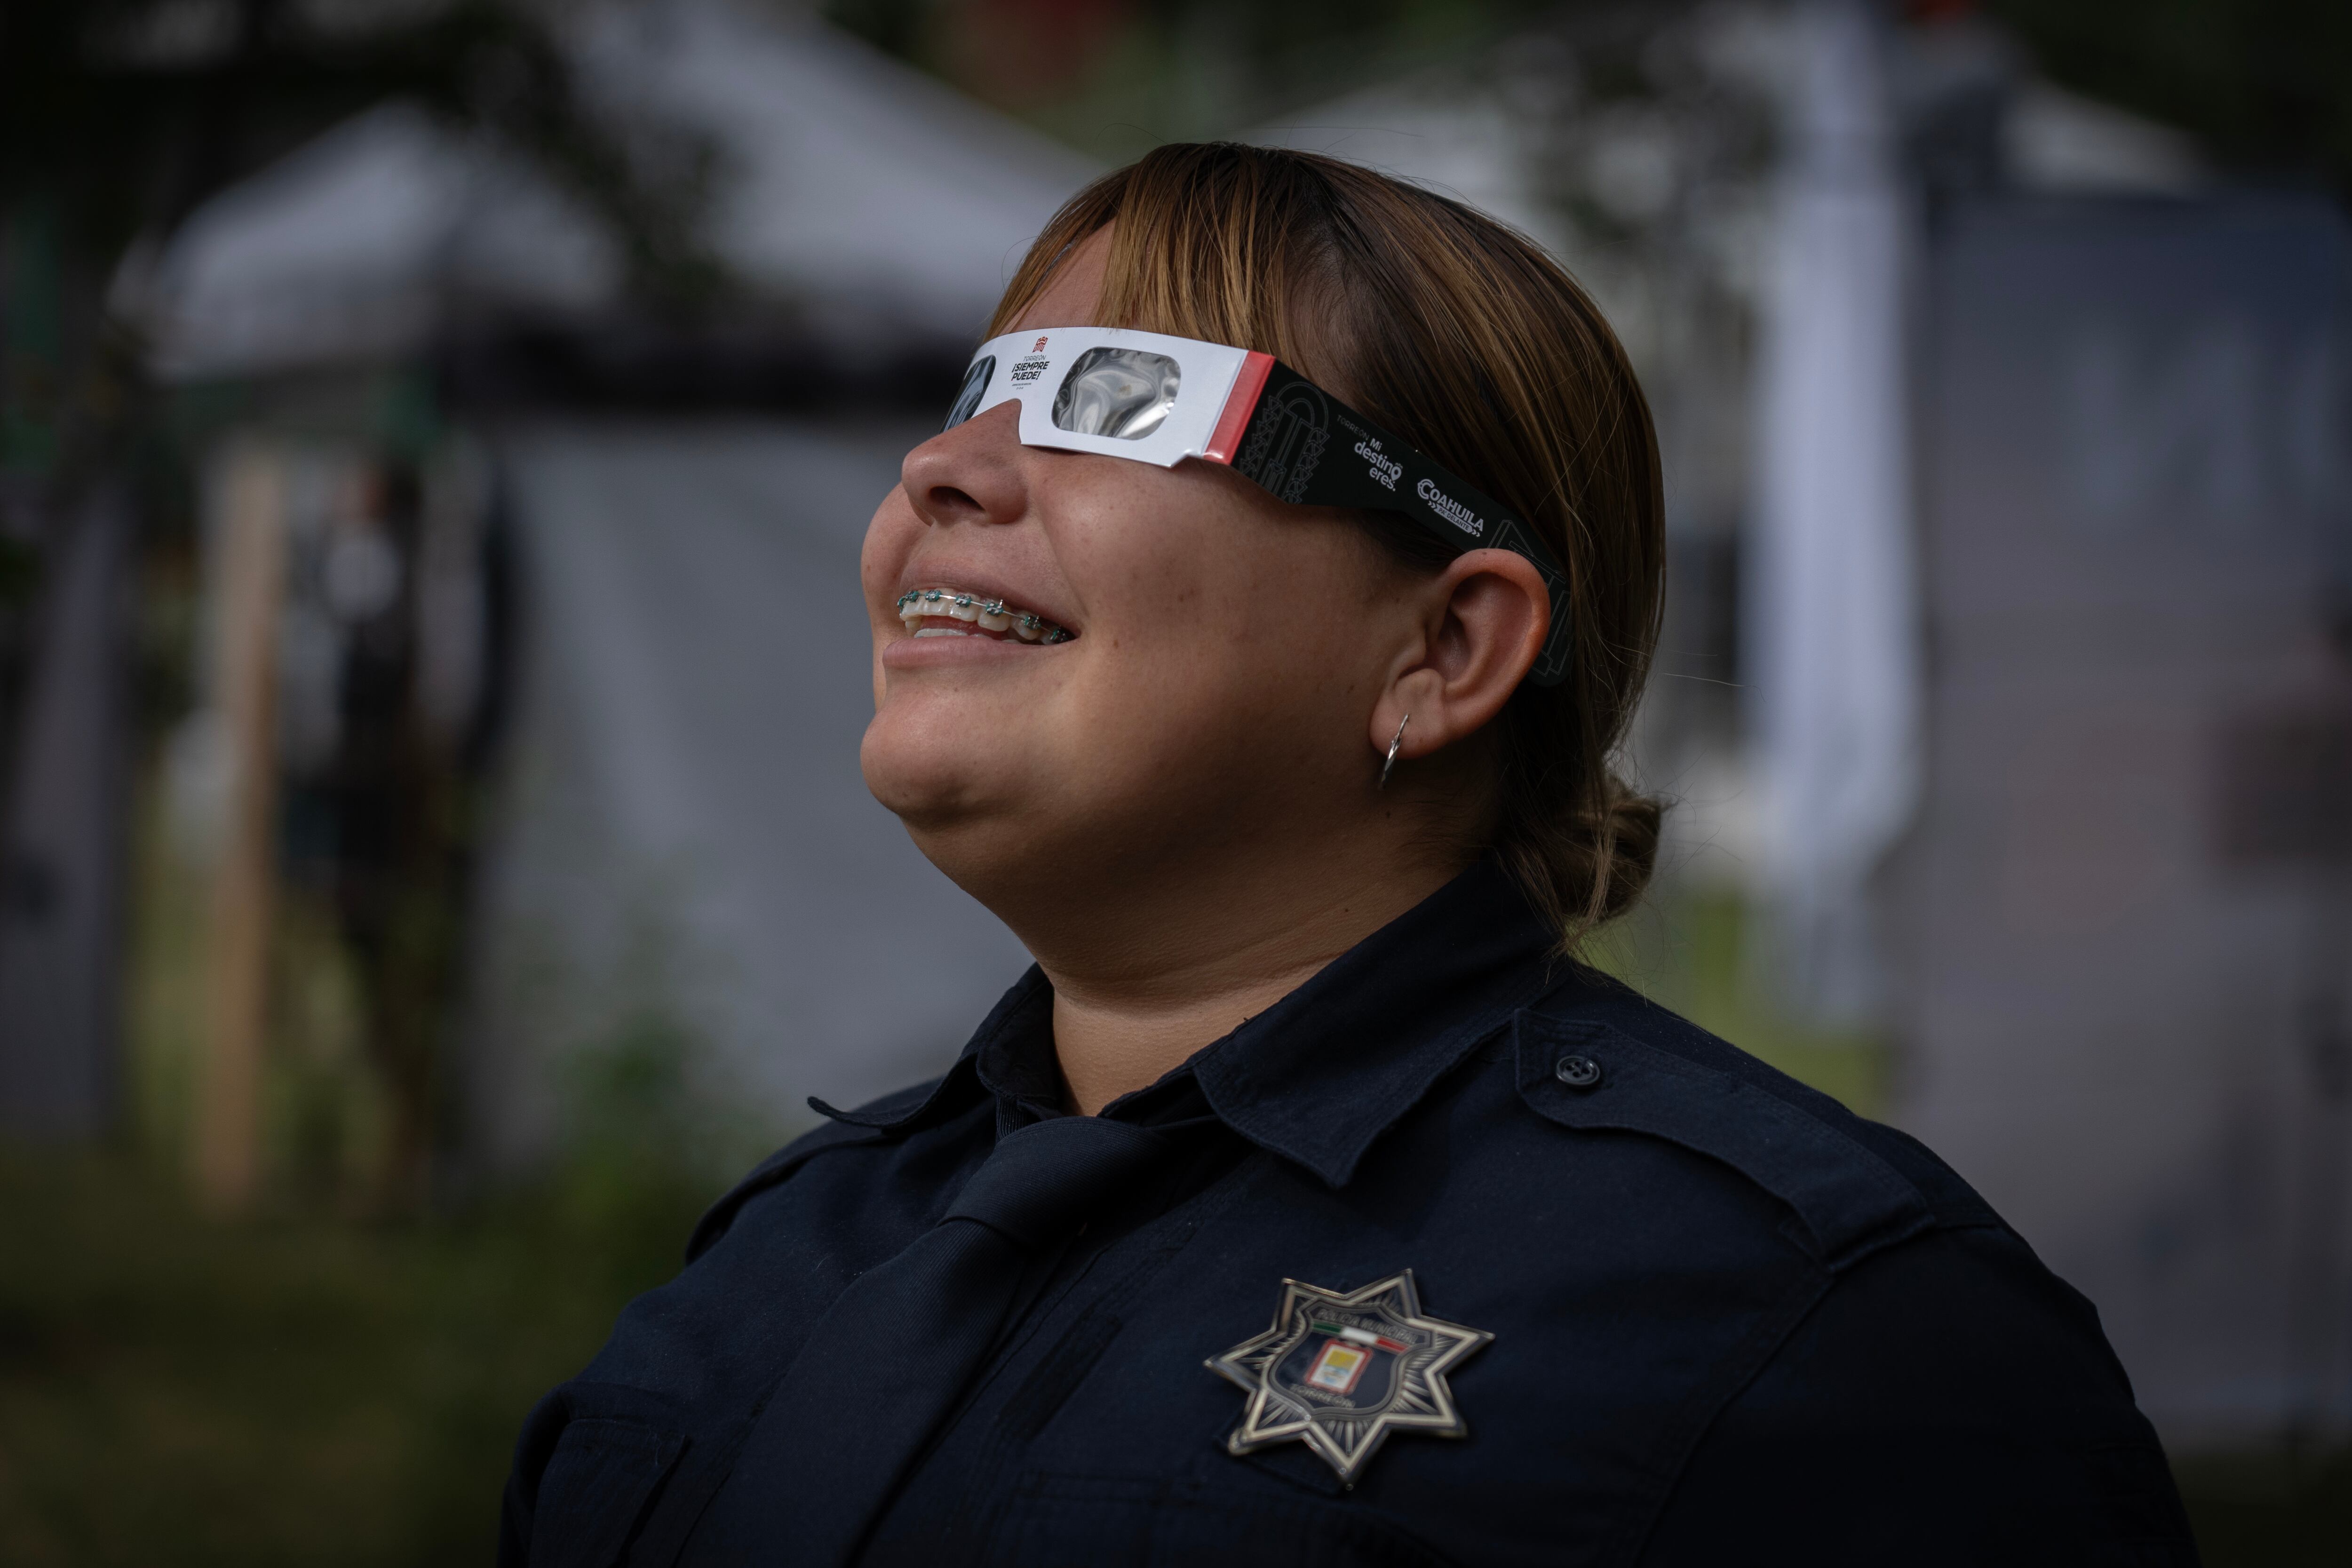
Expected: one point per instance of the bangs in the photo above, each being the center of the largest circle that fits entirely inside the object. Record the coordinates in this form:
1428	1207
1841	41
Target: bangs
1208	247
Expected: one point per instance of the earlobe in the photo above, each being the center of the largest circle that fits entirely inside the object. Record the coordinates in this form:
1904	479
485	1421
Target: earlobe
1395	741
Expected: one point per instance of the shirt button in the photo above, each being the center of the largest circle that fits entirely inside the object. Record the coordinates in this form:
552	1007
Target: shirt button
1578	1072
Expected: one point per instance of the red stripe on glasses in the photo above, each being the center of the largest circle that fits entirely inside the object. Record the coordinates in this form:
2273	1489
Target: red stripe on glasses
1240	404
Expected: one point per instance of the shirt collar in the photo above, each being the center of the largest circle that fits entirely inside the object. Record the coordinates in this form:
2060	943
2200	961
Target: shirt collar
1321	1075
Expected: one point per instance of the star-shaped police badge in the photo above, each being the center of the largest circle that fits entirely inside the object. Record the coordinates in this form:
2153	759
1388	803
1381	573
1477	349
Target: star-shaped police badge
1340	1372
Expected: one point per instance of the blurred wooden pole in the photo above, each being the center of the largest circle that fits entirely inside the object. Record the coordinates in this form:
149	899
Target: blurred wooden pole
251	571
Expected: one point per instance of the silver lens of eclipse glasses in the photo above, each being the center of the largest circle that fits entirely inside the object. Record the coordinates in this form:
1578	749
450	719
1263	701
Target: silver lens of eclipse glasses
1120	393
975	386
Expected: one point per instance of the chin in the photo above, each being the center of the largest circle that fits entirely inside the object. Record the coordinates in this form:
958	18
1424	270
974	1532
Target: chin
919	775
989	819
943	781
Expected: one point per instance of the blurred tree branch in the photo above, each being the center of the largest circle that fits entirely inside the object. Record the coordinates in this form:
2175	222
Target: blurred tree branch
127	114
2267	84
119	118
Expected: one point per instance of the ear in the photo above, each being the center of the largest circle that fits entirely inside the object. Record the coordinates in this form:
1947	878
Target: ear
1483	622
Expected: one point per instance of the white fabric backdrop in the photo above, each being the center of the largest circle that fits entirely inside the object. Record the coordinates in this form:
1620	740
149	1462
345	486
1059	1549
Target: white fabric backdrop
684	826
1832	656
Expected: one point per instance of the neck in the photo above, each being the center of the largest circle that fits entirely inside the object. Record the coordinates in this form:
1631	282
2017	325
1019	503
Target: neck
1125	1013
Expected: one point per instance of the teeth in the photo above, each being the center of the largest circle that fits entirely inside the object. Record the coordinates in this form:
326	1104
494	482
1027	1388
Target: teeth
918	605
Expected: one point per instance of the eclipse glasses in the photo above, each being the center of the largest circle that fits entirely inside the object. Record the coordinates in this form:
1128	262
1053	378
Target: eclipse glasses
1160	400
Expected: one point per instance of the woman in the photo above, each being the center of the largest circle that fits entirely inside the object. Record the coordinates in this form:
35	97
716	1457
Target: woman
1254	642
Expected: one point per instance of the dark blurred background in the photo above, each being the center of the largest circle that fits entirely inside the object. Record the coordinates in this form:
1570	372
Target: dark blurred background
434	440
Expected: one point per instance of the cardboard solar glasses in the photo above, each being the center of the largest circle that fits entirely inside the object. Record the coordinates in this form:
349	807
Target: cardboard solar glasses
1158	399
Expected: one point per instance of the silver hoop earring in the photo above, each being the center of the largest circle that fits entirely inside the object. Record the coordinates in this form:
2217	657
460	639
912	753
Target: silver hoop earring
1392	752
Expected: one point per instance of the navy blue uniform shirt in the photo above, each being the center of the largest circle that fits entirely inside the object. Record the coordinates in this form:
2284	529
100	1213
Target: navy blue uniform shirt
1732	1321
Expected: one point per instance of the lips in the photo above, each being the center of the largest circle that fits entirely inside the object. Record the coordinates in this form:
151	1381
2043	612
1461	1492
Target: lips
948	612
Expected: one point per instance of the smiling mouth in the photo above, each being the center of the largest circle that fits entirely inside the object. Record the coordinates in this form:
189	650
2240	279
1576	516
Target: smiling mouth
953	613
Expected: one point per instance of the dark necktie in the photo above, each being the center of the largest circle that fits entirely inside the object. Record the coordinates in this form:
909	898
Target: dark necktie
895	1351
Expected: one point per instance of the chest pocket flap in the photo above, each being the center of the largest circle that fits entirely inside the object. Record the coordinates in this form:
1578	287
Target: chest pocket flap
594	1490
1582	1074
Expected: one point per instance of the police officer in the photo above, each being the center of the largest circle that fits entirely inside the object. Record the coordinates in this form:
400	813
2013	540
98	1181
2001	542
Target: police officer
1254	642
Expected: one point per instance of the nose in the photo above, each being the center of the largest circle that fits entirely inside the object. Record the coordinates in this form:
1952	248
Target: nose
971	473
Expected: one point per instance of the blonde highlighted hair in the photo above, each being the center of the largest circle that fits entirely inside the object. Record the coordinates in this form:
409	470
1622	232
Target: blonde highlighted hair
1466	339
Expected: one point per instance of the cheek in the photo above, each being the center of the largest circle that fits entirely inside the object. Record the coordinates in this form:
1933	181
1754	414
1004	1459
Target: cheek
1219	683
1229	647
890	537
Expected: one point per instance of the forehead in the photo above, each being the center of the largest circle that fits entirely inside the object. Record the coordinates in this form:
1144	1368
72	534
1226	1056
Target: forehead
1073	295
1182	302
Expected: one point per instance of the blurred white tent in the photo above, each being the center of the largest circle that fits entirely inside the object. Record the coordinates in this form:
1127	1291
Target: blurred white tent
1468	146
682	825
844	181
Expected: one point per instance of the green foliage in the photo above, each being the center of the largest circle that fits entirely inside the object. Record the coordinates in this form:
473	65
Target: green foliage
1692	950
32	354
177	1391
20	574
119	118
313	1385
2289	1509
2267	83
126	114
305	1390
1117	78
644	1140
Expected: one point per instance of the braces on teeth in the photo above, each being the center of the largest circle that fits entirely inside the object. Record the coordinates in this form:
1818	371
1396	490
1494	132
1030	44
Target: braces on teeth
991	614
